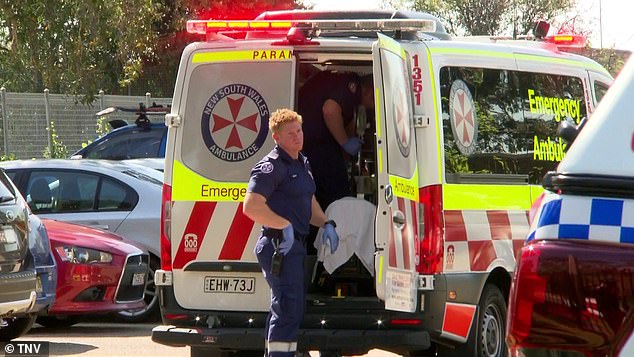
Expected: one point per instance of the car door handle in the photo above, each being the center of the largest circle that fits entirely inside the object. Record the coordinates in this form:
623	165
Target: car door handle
398	219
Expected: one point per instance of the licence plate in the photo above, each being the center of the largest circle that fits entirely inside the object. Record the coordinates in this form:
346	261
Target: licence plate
138	279
226	284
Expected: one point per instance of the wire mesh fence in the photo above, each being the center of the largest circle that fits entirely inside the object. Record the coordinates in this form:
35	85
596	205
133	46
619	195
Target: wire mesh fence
25	120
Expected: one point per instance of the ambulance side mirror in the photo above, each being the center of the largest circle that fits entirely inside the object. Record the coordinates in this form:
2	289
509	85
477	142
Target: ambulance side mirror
569	131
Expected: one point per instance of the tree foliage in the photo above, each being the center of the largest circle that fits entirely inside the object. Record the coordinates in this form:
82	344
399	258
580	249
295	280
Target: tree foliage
74	46
490	17
78	47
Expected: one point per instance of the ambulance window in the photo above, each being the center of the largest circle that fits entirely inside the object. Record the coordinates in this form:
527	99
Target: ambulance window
481	117
502	123
398	115
227	109
599	90
548	99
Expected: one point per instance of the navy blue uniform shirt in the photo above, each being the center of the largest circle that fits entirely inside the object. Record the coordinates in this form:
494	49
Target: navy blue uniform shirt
288	186
343	88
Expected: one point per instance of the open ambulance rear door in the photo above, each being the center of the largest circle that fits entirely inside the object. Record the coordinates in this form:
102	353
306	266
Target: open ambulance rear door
396	227
225	96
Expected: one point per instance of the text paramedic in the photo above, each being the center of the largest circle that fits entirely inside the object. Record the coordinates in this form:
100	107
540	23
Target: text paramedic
558	107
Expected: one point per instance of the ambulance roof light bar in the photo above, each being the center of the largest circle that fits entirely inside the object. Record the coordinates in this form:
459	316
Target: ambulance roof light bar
203	27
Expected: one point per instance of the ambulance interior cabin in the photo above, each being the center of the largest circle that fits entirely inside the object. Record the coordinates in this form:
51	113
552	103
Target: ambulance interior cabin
336	275
340	275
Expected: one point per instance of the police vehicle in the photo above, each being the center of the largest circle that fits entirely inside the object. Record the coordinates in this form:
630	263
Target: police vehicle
460	138
574	276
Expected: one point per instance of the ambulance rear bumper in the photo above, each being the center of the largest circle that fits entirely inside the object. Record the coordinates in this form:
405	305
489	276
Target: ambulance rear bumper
348	341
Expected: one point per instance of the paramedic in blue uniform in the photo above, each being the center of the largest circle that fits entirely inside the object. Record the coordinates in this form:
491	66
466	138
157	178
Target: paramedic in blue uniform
327	102
280	197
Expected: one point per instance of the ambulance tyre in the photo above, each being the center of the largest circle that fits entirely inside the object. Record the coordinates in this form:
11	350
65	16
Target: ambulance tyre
487	338
204	352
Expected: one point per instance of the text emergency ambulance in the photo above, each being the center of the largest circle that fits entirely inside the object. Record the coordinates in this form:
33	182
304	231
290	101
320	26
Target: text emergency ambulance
461	135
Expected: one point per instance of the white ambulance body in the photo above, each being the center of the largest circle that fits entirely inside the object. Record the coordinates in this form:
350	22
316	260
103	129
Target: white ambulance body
464	133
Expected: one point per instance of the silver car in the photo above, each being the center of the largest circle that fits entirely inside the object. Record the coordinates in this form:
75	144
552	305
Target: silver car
119	197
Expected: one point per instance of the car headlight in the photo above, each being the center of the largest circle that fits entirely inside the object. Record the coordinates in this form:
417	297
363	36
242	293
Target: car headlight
80	255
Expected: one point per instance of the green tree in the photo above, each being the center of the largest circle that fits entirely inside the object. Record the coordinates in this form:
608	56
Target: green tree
73	46
494	17
77	47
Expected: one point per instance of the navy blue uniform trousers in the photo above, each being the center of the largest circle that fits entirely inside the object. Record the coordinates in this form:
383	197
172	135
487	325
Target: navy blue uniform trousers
287	293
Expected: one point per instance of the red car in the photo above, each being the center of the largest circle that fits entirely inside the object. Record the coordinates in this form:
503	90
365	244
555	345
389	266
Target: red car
97	272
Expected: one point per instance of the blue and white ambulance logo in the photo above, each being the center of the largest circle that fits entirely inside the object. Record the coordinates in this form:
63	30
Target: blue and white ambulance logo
235	122
463	117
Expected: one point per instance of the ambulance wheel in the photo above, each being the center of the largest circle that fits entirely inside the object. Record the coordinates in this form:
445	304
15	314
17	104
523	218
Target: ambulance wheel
486	338
151	311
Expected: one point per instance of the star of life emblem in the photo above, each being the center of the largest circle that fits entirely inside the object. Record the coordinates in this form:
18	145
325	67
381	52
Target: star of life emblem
266	168
463	117
234	122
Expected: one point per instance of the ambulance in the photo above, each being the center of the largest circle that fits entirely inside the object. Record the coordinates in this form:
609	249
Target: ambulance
462	132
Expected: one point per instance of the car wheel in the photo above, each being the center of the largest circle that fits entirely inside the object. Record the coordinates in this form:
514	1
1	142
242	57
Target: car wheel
16	327
56	322
150	312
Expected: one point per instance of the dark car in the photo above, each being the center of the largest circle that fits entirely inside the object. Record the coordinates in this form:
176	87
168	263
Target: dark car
573	287
46	269
142	139
18	277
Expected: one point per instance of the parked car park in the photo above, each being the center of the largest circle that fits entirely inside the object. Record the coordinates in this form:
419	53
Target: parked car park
573	288
109	195
18	276
142	139
98	272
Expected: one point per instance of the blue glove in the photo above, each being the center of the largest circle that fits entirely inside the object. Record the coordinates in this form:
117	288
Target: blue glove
330	234
352	146
288	237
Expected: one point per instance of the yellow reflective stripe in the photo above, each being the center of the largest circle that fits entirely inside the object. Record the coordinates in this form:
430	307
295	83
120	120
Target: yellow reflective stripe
379	277
391	45
564	61
523	56
245	55
437	118
471	52
536	191
486	197
406	188
190	186
380	160
274	346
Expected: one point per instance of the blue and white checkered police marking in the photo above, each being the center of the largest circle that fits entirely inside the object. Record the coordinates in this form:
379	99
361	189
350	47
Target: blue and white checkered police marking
590	218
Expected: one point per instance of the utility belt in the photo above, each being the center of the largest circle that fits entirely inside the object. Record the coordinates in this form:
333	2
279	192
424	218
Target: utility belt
275	233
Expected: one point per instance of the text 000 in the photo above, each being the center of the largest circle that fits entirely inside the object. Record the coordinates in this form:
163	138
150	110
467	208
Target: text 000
223	284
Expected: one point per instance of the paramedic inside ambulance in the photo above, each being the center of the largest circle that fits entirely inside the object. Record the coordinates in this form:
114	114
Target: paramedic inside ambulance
280	197
328	103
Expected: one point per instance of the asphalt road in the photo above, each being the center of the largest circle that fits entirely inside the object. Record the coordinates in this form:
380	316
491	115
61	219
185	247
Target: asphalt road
114	339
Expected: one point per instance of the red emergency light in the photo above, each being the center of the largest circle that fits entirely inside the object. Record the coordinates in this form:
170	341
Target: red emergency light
567	40
203	27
